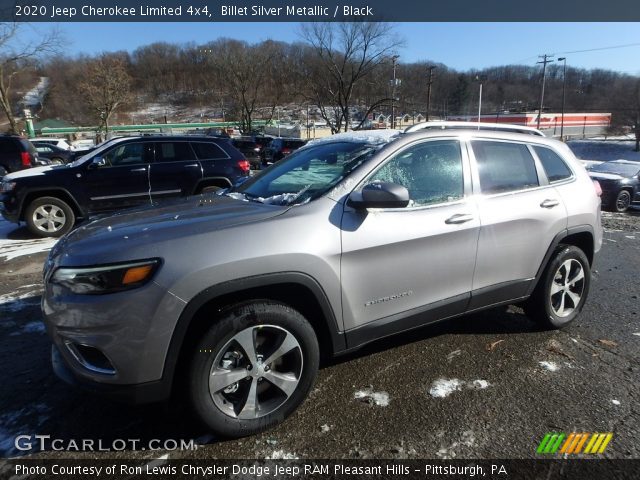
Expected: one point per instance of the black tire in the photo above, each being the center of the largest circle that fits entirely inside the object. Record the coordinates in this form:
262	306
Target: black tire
62	217
622	202
270	325
562	274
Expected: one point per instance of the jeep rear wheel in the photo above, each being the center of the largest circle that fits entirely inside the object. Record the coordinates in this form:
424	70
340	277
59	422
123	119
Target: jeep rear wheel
49	217
253	368
562	290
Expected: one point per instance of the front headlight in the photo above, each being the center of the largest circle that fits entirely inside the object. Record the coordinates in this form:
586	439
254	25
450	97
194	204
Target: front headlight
7	186
106	278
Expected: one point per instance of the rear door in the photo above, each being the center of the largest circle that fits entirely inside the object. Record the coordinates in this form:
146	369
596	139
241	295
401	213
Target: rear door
122	182
520	215
175	170
216	163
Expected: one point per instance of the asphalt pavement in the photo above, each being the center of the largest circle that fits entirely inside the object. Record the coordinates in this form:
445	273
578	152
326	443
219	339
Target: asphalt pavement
488	385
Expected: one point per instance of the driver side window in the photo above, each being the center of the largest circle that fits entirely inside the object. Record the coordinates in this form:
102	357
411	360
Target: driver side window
431	171
125	155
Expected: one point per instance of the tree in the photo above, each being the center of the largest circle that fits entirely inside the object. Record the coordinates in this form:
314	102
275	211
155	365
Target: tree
345	55
17	56
106	86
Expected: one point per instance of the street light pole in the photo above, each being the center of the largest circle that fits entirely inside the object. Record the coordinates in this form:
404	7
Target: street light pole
564	85
480	103
545	59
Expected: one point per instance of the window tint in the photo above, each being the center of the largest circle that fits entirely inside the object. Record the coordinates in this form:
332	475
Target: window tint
208	151
9	146
431	171
554	166
504	167
124	155
174	152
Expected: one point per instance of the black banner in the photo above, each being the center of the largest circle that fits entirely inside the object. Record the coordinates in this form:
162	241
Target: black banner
163	468
321	10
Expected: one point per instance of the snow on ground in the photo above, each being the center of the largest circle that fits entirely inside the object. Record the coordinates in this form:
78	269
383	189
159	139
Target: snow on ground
602	150
467	439
10	249
34	97
25	296
551	366
281	455
443	387
380	399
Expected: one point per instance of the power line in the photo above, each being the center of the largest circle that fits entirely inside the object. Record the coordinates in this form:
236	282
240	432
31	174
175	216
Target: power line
601	48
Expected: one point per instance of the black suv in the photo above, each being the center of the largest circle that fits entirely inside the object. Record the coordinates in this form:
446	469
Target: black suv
123	173
16	153
251	148
280	148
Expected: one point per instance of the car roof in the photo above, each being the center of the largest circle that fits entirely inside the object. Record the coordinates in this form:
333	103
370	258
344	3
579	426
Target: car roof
443	125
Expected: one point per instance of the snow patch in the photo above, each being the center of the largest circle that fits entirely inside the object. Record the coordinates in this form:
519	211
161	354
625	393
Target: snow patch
551	366
10	249
281	455
18	300
380	399
615	402
452	355
444	387
467	439
637	334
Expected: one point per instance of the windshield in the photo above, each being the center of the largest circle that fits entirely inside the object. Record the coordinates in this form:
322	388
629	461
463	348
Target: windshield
305	175
624	169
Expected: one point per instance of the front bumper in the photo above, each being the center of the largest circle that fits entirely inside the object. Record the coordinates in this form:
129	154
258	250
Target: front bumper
113	343
139	393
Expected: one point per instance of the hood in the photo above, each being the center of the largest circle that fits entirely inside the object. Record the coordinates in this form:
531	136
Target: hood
605	176
33	172
136	233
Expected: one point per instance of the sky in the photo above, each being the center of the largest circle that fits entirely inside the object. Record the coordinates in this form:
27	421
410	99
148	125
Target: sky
462	46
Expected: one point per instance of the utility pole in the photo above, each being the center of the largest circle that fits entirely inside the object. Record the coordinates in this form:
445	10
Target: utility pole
393	92
545	59
430	68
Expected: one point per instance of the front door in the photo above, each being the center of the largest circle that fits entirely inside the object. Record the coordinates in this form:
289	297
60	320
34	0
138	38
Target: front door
123	180
404	261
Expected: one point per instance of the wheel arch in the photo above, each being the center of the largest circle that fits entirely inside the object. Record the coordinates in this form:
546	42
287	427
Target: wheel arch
581	236
222	182
60	193
295	289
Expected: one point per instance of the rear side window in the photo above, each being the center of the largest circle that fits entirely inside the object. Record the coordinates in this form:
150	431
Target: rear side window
10	146
174	152
504	167
209	151
554	166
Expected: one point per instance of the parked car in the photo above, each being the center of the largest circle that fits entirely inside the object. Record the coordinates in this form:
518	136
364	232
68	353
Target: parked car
16	153
55	155
58	142
361	236
279	148
251	148
122	173
620	183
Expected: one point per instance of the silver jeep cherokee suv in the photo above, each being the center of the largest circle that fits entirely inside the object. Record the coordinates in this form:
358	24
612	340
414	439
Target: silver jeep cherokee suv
347	240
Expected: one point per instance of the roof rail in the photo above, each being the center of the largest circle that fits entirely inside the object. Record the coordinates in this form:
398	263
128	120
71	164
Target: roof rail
500	127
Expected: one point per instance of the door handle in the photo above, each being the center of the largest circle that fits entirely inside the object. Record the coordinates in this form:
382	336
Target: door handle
138	169
549	203
459	218
193	165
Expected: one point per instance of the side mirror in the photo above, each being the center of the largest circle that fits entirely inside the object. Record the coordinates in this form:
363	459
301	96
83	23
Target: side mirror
380	195
98	162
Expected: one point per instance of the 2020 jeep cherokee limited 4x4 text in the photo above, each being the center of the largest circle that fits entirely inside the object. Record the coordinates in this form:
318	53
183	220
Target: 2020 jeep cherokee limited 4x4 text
362	235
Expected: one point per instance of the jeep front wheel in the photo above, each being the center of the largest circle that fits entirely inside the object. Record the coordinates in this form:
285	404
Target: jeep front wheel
253	368
49	217
562	290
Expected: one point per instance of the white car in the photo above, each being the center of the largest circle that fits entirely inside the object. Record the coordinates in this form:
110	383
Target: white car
57	141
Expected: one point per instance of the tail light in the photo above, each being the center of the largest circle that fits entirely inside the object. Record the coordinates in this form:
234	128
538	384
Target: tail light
598	188
244	165
286	151
25	158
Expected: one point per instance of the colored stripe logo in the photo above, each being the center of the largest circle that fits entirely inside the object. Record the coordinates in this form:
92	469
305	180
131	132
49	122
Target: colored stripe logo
574	443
